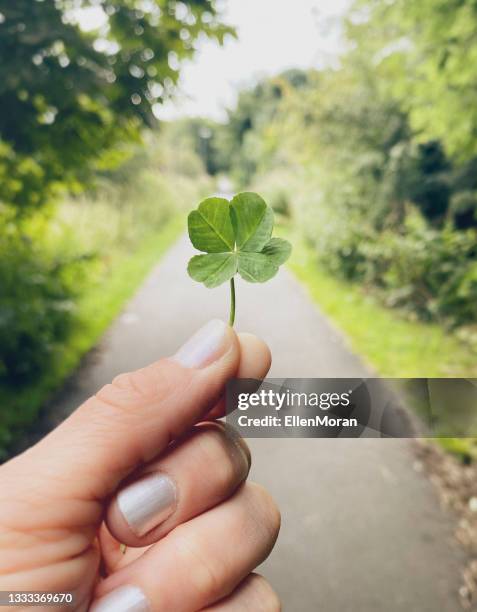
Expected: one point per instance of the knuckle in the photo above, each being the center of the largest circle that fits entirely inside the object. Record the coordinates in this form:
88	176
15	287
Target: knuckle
203	576
158	380
138	384
123	381
139	390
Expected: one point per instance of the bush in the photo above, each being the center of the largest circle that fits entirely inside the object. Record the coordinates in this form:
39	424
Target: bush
430	273
37	304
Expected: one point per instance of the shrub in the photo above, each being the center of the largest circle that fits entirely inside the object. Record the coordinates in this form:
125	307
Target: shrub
430	273
433	274
37	303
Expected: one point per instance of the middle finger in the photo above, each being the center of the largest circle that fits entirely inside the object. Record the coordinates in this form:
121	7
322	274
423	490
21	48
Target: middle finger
196	474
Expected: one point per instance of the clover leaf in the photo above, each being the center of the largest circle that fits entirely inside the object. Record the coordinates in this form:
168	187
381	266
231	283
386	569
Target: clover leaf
236	238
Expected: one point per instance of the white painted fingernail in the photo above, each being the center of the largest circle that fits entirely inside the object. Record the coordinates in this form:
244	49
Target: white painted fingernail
123	599
204	346
146	503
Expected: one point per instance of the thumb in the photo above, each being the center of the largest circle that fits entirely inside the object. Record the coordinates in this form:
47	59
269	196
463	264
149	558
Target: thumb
134	418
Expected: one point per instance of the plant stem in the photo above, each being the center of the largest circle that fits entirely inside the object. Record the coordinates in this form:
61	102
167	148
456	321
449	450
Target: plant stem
232	302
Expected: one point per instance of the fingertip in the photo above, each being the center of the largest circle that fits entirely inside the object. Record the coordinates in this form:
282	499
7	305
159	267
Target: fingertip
255	359
206	346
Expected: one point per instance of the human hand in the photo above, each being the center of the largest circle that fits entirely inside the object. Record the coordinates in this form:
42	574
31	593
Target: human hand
133	466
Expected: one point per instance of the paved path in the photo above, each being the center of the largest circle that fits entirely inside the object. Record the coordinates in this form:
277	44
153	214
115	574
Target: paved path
362	530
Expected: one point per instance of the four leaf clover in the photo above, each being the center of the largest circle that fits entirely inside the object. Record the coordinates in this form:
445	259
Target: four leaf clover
236	237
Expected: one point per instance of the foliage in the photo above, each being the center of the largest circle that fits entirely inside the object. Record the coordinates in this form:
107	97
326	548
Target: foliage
236	238
424	53
37	304
71	98
203	138
393	346
429	273
237	146
381	205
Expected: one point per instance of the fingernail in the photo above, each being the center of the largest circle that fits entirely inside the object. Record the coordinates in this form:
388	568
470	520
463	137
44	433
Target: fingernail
147	503
239	444
204	346
123	599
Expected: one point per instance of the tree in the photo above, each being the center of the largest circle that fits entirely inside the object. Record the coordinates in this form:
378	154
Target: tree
425	52
256	108
69	98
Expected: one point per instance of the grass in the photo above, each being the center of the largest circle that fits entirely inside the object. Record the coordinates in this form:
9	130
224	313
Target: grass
390	344
99	307
96	310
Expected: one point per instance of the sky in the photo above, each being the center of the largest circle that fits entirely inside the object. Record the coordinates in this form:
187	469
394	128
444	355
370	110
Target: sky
273	35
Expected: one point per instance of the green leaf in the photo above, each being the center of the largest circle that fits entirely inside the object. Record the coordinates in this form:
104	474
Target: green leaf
210	226
236	238
252	221
256	267
213	269
277	250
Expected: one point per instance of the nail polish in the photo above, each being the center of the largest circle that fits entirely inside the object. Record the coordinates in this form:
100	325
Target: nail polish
204	346
126	598
147	503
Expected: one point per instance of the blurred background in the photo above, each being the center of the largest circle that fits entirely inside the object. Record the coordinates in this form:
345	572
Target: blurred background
356	120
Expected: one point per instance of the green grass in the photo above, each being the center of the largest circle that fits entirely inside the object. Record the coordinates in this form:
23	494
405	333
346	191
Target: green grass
99	307
391	345
96	310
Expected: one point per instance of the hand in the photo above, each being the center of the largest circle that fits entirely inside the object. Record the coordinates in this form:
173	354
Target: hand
133	466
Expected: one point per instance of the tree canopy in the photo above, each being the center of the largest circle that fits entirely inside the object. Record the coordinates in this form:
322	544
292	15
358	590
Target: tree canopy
425	54
69	97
